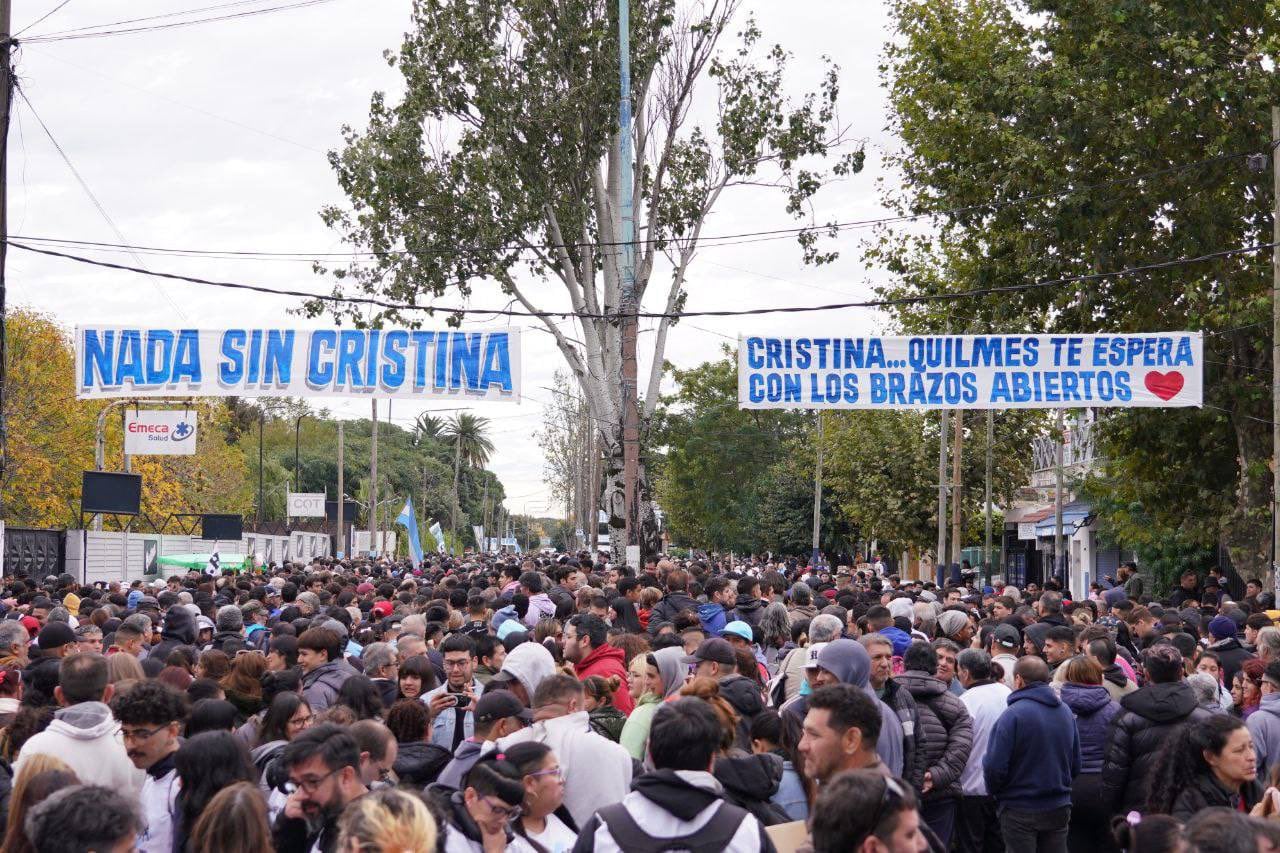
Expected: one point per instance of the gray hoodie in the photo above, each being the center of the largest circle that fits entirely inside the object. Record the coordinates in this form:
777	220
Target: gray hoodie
530	663
848	661
87	737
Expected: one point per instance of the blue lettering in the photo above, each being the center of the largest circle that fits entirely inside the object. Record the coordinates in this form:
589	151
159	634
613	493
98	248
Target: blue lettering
755	388
159	356
279	366
186	359
393	347
755	359
319	364
129	361
231	370
351	344
464	363
421	344
99	358
255	357
1183	356
371	359
497	363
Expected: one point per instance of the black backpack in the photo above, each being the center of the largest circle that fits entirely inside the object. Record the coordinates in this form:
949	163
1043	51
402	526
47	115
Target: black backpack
711	838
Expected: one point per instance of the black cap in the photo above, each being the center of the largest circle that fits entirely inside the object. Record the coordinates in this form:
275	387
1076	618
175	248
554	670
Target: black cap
712	649
496	705
55	635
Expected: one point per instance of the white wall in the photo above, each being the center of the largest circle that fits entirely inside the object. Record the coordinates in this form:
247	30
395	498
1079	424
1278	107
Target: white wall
112	555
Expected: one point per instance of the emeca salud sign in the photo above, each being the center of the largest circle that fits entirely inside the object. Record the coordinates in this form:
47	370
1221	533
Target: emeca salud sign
159	432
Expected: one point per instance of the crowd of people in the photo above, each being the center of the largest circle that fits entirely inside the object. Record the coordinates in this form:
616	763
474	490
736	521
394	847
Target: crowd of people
558	704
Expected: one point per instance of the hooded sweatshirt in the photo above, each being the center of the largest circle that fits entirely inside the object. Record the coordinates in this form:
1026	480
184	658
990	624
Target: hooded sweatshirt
179	630
88	739
606	660
540	607
750	610
901	639
530	663
1033	753
713	617
750	781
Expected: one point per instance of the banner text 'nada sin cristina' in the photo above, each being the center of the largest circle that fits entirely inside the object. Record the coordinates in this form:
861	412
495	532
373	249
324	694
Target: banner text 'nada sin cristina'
971	371
121	361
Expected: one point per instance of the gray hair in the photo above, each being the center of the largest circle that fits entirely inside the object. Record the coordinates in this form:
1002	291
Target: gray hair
926	616
12	633
229	618
415	624
824	628
377	655
1205	686
139	622
59	614
775	623
976	662
311	600
1269	644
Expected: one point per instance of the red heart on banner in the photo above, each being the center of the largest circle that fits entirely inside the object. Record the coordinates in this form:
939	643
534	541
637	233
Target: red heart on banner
1164	385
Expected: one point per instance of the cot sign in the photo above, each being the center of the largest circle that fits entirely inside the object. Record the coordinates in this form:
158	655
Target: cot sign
1163	369
162	432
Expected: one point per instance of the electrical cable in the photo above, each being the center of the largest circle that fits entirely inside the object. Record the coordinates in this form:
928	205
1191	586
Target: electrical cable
42	18
703	242
743	312
100	31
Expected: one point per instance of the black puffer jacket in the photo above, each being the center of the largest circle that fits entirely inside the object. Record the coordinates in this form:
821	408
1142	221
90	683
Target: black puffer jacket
666	609
419	763
1206	792
179	630
749	610
945	735
749	782
1149	717
741	692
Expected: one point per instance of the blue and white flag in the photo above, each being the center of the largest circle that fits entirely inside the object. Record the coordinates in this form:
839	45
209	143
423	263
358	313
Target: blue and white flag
407	520
438	534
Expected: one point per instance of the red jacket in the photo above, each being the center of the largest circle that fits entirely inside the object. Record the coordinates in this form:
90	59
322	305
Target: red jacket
606	660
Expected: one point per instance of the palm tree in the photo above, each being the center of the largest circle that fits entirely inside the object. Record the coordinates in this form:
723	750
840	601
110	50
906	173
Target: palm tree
470	445
428	426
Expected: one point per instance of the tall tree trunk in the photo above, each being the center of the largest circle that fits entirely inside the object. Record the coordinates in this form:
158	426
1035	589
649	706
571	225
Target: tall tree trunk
1247	535
615	505
457	464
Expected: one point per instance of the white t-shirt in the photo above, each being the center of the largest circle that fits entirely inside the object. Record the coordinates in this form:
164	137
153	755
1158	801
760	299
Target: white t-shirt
556	837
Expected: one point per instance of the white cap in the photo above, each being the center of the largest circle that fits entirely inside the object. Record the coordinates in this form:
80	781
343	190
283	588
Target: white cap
814	650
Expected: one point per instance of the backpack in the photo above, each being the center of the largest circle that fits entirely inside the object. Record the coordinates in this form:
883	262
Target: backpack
714	837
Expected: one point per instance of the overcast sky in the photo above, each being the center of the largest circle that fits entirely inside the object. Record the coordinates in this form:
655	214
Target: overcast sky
214	137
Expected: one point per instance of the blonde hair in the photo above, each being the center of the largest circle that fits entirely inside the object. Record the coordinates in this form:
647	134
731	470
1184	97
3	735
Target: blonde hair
389	820
124	667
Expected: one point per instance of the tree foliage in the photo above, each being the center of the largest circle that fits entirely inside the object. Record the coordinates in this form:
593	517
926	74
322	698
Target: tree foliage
1142	112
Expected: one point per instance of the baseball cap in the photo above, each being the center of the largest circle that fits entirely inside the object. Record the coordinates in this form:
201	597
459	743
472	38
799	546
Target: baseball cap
738	628
56	635
1007	636
382	609
712	649
204	623
496	705
815	649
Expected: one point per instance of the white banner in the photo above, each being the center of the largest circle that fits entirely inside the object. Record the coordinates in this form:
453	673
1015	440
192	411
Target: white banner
122	361
1026	530
1162	369
160	432
305	505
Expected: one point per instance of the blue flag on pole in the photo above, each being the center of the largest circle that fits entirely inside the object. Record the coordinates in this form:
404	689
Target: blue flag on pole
407	520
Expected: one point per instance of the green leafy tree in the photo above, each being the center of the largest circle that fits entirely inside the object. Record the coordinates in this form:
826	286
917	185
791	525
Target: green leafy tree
999	104
502	163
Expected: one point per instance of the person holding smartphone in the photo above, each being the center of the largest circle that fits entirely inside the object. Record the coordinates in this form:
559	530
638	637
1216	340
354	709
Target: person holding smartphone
452	704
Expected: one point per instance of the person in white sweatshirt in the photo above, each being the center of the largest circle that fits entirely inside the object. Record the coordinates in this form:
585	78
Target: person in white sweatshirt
985	698
597	771
83	733
151	716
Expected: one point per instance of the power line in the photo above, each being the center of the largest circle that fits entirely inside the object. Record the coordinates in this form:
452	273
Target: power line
744	312
100	30
93	198
703	242
42	18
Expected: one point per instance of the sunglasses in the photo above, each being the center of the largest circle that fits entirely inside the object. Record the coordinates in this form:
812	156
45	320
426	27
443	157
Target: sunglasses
890	801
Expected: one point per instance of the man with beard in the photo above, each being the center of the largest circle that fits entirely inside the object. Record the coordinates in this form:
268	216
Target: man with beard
323	764
151	716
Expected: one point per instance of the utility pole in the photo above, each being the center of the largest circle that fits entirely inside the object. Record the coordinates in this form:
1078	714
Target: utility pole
373	483
942	497
342	496
6	90
817	497
384	522
262	417
593	494
1275	344
986	548
957	488
628	308
1058	564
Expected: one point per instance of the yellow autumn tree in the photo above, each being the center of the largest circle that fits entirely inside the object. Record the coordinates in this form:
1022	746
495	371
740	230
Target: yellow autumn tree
51	440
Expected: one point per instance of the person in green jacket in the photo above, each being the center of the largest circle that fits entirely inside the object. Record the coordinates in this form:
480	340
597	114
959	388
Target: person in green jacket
652	678
603	716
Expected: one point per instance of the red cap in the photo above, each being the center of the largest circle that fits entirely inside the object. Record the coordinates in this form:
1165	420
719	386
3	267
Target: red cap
829	593
31	624
382	609
364	588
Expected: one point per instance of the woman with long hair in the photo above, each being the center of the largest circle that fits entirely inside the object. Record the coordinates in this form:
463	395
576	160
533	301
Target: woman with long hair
602	715
40	776
212	664
775	633
416	677
625	616
1250	676
234	821
211	715
645	684
362	696
1093	709
768	736
243	684
122	667
388	820
1210	762
288	716
543	818
206	764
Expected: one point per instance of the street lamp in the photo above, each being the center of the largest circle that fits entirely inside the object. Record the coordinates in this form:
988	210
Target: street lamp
262	419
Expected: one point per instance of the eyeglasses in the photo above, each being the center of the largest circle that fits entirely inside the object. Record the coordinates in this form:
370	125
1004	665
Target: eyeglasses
501	810
892	791
456	664
308	785
554	772
140	734
301	722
